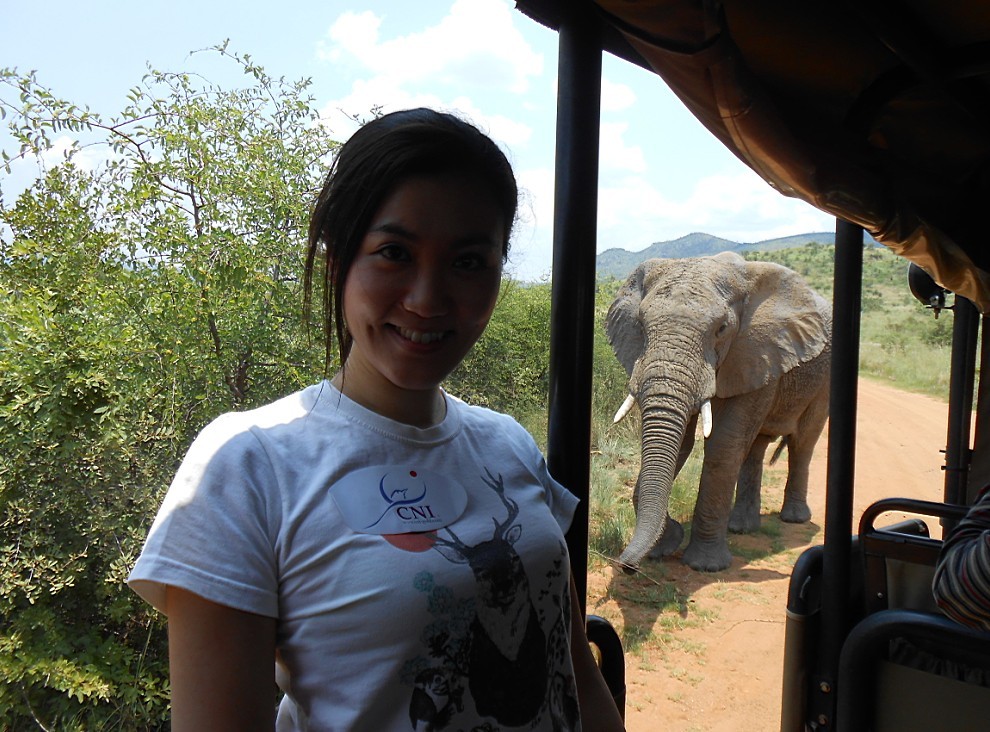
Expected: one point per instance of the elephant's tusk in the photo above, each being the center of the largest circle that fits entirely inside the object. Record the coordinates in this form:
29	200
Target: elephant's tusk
626	407
706	418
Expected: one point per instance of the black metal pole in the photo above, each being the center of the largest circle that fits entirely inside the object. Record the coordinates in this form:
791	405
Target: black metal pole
965	329
573	287
839	484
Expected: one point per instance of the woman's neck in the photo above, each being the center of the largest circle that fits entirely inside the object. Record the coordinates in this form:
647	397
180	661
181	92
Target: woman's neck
424	408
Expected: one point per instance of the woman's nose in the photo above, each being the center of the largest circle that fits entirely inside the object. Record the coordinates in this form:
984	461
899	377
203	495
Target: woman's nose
427	295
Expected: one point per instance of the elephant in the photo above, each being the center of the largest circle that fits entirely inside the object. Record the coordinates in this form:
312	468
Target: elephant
747	345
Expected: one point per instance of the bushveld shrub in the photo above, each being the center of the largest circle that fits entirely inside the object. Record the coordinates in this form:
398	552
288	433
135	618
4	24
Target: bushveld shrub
507	370
142	297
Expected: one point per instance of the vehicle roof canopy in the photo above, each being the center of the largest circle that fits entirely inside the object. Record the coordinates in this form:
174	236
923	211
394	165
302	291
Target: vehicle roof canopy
874	111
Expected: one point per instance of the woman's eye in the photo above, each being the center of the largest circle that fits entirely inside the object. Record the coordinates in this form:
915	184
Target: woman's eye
393	252
470	262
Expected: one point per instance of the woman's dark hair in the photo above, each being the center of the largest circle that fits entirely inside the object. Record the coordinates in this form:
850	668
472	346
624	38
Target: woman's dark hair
378	157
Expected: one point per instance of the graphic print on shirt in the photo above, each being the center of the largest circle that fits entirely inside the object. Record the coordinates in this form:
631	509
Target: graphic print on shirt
397	499
495	644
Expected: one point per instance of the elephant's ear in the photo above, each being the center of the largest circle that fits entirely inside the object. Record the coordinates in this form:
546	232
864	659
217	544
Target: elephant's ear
622	322
784	323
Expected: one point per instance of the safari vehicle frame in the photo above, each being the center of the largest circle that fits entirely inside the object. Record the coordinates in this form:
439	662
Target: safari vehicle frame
877	112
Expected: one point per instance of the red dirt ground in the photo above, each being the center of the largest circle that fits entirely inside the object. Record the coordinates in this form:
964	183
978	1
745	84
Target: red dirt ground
716	666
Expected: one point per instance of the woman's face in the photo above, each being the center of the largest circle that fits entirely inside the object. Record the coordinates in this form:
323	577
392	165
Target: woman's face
422	285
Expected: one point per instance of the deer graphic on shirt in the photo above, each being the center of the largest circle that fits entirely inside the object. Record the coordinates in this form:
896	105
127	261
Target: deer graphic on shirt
507	658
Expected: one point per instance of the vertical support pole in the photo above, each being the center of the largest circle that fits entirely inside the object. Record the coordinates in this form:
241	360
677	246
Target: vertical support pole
573	289
979	468
835	621
965	328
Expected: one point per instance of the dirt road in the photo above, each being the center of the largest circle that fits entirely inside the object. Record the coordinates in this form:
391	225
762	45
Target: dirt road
717	664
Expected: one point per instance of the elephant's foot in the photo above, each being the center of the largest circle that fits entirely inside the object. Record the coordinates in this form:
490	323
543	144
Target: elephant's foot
795	512
673	535
744	519
707	556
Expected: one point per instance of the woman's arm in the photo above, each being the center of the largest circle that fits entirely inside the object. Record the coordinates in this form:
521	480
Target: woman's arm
222	666
598	710
962	575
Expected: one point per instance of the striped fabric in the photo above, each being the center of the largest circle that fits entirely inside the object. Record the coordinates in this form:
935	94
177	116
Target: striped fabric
962	575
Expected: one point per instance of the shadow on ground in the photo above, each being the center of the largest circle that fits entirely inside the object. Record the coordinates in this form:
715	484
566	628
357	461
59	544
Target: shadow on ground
664	590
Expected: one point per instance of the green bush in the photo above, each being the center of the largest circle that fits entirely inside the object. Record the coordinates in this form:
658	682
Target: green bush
507	370
141	299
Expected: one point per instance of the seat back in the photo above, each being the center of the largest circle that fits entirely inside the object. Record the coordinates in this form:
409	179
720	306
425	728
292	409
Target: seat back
899	559
878	694
903	665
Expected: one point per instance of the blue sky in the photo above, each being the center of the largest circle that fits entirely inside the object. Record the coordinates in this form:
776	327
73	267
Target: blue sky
662	174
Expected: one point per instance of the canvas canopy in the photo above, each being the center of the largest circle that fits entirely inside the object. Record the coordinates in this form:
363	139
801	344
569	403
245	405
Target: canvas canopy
874	111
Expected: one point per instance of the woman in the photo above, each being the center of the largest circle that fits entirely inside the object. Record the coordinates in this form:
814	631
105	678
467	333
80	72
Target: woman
396	556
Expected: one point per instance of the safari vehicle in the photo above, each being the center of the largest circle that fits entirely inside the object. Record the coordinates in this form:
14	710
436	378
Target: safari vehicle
877	112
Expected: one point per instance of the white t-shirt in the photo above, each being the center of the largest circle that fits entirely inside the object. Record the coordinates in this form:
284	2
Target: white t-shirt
297	511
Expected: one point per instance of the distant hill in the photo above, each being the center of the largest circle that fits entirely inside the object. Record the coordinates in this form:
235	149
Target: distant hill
620	262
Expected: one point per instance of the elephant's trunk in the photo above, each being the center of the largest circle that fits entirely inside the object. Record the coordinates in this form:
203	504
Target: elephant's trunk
664	427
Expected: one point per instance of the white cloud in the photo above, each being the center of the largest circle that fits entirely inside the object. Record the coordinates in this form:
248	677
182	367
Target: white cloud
741	207
25	171
338	114
532	245
84	158
350	35
450	53
616	97
433	67
747	206
367	94
615	153
504	130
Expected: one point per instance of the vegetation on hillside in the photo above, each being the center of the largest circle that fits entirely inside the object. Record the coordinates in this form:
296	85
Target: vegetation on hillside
901	341
145	295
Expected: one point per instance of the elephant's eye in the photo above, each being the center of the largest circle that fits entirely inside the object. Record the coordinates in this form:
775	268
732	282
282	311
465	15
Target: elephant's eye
722	328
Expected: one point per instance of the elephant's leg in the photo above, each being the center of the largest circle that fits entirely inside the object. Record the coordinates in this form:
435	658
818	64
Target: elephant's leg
745	516
800	448
795	509
708	549
670	540
737	423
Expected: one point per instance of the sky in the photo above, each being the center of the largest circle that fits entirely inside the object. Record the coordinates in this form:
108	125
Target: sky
662	174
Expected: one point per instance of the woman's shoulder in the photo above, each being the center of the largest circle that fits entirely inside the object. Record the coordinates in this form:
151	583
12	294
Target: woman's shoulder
489	421
473	413
282	414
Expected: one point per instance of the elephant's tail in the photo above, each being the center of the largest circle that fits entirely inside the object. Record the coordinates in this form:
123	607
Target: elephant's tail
784	441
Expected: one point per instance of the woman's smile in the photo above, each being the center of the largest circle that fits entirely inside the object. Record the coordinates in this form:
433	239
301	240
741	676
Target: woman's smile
420	337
